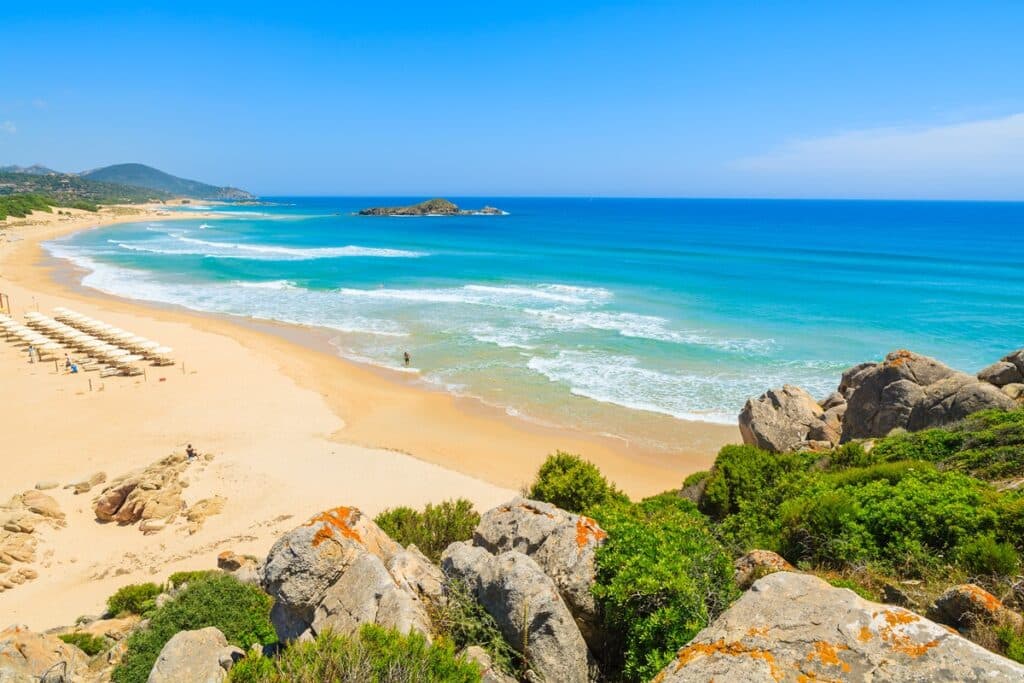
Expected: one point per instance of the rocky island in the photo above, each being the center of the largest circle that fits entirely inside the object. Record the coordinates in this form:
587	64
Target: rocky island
431	207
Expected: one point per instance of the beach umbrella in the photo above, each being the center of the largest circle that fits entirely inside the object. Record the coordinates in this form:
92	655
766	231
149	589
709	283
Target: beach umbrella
161	350
51	346
135	340
117	353
150	345
132	358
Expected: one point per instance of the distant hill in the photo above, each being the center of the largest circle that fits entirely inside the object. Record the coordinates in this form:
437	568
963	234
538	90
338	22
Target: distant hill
140	175
66	189
34	169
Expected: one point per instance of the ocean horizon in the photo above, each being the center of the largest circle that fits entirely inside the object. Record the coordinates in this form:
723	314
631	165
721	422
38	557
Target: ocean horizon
596	313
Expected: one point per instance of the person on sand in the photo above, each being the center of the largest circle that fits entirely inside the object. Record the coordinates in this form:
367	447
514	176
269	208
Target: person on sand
31	351
407	358
67	362
191	452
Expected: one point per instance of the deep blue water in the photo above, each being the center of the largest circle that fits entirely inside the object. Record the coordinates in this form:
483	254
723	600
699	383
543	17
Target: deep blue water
681	307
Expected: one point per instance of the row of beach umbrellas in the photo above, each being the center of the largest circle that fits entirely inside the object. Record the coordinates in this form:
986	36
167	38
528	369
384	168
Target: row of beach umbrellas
71	330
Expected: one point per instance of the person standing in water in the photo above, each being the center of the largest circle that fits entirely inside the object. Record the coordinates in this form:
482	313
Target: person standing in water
407	358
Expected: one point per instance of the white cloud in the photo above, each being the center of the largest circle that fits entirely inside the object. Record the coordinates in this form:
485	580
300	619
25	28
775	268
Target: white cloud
983	158
8	127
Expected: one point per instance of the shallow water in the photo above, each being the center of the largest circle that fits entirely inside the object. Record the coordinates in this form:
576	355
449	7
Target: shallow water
678	307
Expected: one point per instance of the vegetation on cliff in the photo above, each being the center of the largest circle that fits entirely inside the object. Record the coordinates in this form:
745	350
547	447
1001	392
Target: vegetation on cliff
240	611
374	655
432	530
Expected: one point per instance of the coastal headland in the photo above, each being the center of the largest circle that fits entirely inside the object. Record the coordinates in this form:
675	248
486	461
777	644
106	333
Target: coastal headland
292	429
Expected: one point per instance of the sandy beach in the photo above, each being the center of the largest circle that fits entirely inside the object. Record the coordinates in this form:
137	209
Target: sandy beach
293	429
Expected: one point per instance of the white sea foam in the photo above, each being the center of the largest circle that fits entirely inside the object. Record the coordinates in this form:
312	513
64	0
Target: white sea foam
211	249
266	284
483	295
644	327
204	226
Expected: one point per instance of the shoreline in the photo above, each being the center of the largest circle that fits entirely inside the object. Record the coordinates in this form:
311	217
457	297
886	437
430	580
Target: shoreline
639	470
293	428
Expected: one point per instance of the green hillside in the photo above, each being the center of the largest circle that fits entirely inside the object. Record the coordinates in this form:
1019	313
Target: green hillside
140	175
66	189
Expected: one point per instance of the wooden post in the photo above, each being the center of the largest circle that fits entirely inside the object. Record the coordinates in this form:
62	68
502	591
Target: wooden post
90	384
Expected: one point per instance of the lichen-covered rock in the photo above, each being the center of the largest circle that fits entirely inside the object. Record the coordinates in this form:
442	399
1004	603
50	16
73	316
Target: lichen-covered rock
417	575
913	392
795	627
307	561
25	656
758	563
1014	391
201	656
968	605
527	607
562	543
783	420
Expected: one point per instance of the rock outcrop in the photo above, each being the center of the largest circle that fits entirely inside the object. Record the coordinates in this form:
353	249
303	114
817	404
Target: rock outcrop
913	392
201	656
29	657
968	605
795	627
757	563
785	419
527	607
1007	370
339	570
562	543
431	207
153	493
245	568
906	391
20	518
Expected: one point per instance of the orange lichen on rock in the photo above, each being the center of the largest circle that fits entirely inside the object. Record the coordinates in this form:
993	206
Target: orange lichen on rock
898	358
731	649
865	634
828	654
586	529
757	631
982	597
900	642
337	520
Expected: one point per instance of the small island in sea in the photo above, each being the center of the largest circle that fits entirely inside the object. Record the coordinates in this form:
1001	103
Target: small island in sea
431	207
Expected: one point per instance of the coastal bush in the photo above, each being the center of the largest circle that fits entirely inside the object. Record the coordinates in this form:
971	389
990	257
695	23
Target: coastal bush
374	655
137	598
240	611
985	556
903	516
463	621
20	205
1012	642
661	577
178	579
572	483
987	445
432	530
86	642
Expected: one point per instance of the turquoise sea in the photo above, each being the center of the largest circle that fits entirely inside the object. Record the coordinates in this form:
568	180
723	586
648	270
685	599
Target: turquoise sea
598	313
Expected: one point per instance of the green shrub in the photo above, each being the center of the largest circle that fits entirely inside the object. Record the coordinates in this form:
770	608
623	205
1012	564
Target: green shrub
86	642
177	579
742	475
661	577
860	590
933	445
1012	642
988	445
240	611
696	478
432	530
985	556
137	598
572	483
851	455
375	655
463	621
900	515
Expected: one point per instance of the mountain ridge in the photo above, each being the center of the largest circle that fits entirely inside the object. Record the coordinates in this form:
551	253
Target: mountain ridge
141	175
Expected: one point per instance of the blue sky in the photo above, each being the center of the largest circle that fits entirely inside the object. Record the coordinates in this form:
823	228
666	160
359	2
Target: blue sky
753	99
